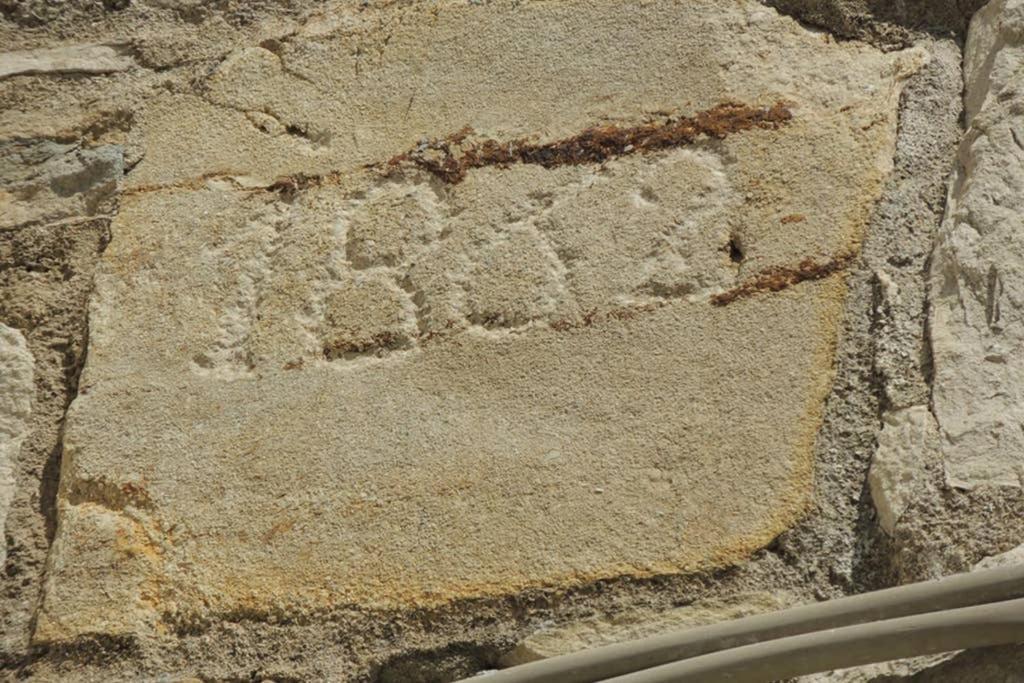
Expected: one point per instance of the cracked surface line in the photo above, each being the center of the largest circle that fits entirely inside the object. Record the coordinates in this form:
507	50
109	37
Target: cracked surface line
449	159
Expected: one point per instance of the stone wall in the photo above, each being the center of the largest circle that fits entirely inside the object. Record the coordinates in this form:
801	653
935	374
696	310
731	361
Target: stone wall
400	341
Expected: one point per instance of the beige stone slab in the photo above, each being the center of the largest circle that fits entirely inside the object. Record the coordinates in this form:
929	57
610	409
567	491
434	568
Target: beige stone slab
90	59
396	392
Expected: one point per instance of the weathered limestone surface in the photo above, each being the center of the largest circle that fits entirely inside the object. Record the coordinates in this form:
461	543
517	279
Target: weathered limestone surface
978	266
16	391
393	391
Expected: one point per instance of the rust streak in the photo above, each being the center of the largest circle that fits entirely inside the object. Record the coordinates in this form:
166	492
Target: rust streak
778	278
450	158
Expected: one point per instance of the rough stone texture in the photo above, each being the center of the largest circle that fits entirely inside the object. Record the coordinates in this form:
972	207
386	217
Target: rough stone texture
56	197
370	371
45	276
46	181
976	325
890	366
898	670
942	529
990	665
16	391
971	321
904	220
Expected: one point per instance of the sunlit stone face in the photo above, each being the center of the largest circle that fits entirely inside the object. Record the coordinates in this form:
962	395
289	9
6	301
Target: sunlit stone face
314	384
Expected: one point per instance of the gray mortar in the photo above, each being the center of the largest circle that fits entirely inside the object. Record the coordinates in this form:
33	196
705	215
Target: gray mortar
838	549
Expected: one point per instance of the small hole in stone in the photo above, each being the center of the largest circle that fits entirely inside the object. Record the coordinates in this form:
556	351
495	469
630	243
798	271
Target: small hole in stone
203	361
735	250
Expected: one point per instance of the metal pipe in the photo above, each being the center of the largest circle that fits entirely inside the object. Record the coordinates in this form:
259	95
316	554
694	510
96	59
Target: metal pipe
952	592
998	623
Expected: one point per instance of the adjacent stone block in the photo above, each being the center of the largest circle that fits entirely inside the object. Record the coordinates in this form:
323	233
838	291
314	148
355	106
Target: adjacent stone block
47	181
977	330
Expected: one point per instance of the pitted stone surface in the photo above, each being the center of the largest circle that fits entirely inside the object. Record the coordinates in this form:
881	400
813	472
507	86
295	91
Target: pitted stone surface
393	392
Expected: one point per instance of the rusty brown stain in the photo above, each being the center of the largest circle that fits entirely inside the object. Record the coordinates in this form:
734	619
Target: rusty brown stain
450	158
290	186
385	340
793	218
778	278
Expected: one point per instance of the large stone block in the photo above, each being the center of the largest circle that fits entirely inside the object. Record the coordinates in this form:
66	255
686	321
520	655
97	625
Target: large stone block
317	379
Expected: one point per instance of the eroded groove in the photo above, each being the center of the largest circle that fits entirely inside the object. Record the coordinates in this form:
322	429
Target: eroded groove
451	158
773	279
778	278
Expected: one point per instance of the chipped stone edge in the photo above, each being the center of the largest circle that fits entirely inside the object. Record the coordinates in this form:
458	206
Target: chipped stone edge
17	368
88	59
